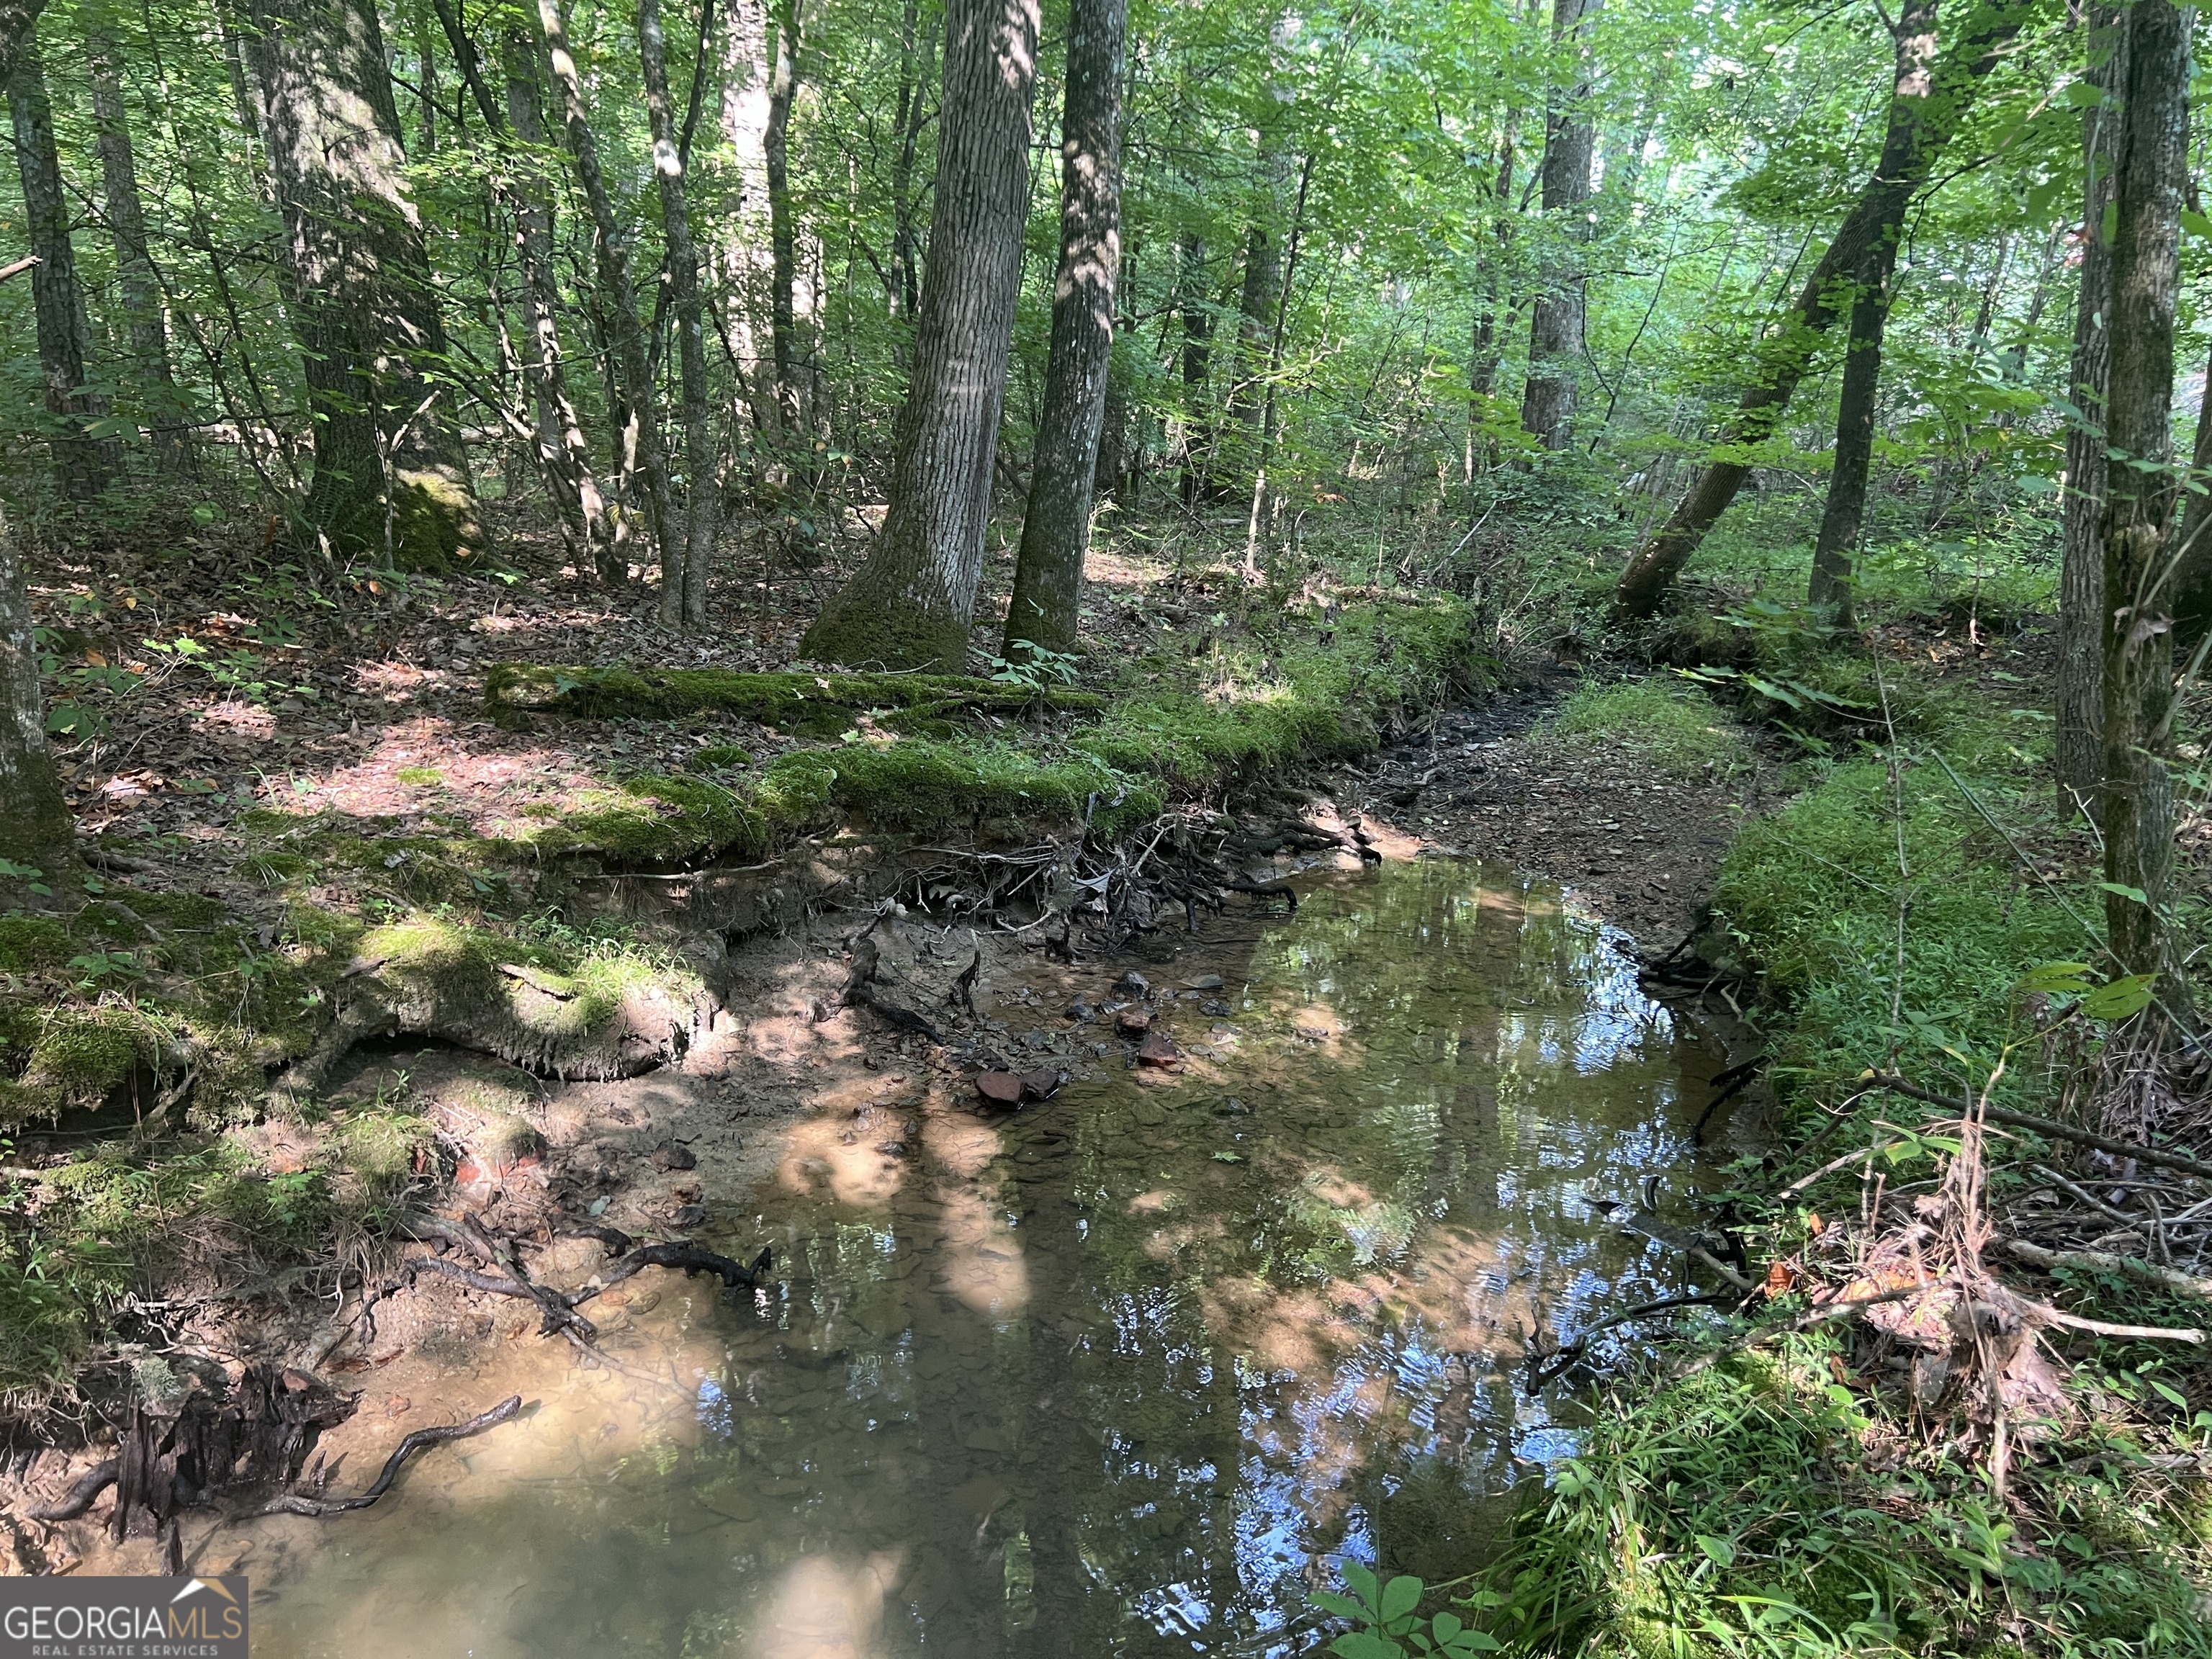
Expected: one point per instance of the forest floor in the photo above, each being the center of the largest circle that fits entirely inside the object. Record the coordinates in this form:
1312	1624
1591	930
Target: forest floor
301	810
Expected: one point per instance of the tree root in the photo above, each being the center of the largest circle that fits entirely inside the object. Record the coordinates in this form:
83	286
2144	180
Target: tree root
79	1498
297	1503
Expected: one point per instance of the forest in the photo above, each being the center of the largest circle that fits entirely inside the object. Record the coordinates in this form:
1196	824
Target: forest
726	645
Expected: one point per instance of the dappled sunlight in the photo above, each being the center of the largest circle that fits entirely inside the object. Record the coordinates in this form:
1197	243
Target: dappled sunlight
980	1260
826	1608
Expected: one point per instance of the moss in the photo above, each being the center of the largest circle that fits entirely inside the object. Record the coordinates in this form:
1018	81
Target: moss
721	757
812	705
31	942
419	777
434	519
79	1056
1666	725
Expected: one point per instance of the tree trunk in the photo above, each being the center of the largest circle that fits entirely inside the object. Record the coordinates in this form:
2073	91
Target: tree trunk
783	233
1485	353
904	284
682	589
2139	498
564	451
2192	580
1830	588
1923	113
1056	529
134	260
912	604
36	830
80	469
391	473
1555	325
1196	307
641	441
746	232
2079	744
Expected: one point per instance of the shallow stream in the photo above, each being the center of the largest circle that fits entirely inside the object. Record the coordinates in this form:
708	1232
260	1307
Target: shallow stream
1121	1374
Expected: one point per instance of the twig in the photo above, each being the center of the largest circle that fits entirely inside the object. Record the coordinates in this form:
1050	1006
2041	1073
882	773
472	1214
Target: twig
2050	1126
294	1503
1805	1321
2039	1255
2081	1195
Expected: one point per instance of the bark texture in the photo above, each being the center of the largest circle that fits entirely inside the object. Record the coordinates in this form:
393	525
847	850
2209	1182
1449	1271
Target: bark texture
1056	529
1196	307
1924	111
783	233
35	826
745	215
912	604
390	475
57	302
2192	579
1555	325
640	438
684	586
139	284
1845	514
2081	699
2140	496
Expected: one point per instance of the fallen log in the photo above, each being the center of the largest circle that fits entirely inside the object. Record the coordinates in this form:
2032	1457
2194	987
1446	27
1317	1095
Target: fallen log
80	1496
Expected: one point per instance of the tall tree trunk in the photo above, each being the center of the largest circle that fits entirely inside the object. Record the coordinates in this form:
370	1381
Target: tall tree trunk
641	439
1844	514
682	589
904	286
564	451
134	260
1196	307
1555	325
2192	579
35	827
2080	697
391	473
79	468
912	604
1056	529
1485	352
1923	113
746	232
783	230
2140	497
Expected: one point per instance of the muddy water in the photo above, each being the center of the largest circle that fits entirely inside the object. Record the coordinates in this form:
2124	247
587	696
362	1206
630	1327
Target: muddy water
1118	1375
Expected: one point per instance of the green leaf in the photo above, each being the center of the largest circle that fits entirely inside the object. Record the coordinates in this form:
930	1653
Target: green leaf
2125	891
2119	998
1400	1597
1721	1550
2195	223
2070	977
1360	1580
1365	1645
1447	1626
1342	1605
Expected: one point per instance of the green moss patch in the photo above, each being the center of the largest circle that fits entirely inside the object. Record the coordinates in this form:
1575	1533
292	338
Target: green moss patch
810	705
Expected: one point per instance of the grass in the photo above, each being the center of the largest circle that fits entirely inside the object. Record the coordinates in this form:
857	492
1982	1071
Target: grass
1664	723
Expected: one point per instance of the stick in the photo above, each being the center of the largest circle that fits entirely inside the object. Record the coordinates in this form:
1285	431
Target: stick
2130	1332
1819	1315
2082	1195
293	1503
18	268
2037	1255
2050	1126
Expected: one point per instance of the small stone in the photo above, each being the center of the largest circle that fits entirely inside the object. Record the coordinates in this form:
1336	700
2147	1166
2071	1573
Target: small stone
690	1216
598	1206
675	1155
1133	984
1081	1010
1203	982
1159	1050
1133	1021
1042	1085
1214	1006
1000	1088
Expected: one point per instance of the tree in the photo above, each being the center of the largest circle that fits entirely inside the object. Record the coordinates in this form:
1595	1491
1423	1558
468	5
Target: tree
912	604
391	474
36	829
1923	113
1555	325
1830	588
2080	699
683	585
2140	496
1056	529
140	284
641	433
80	469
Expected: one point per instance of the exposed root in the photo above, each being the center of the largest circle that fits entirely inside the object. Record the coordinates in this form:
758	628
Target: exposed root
297	1503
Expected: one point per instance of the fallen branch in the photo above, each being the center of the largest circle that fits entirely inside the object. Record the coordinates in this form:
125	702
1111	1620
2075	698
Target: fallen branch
1805	1321
2172	1278
294	1503
688	1259
2049	1127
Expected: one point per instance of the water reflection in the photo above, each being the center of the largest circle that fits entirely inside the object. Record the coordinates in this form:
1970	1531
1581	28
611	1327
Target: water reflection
1110	1377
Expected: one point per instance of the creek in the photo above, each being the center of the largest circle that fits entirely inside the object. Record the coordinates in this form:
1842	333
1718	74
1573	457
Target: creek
1124	1373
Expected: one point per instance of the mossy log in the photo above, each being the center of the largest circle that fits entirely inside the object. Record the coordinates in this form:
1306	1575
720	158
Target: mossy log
812	705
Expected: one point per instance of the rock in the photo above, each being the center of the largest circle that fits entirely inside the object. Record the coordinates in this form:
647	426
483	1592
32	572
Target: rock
1159	1049
1133	1021
690	1216
1203	982
1133	984
1214	1006
1042	1086
675	1155
1000	1088
1081	1010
